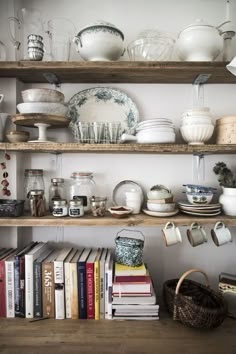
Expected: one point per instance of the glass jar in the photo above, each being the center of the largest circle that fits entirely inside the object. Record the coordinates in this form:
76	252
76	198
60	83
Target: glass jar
56	191
82	187
33	180
37	202
60	208
76	208
98	206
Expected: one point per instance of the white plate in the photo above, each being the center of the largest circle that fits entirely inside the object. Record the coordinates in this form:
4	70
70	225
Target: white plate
125	186
202	211
199	206
155	121
159	213
103	104
200	214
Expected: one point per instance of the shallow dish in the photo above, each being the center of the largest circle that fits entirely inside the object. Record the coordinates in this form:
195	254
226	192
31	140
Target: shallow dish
42	95
17	136
120	211
161	207
160	214
58	109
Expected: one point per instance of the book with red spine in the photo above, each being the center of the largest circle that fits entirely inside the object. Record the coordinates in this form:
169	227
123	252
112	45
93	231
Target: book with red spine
132	284
90	284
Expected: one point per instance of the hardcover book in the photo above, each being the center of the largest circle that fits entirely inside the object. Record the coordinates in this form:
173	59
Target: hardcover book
3	282
10	285
82	283
108	285
97	285
73	266
67	282
121	269
102	283
90	284
48	285
37	272
135	300
139	284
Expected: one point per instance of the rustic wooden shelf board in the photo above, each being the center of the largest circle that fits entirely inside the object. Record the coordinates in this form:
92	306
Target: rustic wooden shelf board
80	336
119	148
117	71
108	220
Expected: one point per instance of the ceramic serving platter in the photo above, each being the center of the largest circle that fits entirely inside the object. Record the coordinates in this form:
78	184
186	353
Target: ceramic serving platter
201	214
199	206
160	214
121	188
202	211
103	104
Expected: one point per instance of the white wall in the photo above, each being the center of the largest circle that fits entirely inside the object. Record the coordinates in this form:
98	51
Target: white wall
152	101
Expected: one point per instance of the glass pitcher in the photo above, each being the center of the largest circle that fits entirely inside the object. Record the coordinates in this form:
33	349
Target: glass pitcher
28	21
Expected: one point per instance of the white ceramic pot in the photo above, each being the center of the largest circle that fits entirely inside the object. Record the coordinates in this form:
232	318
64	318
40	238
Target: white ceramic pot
199	42
228	201
100	41
197	134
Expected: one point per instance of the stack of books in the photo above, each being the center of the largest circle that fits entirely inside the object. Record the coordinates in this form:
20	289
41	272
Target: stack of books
133	293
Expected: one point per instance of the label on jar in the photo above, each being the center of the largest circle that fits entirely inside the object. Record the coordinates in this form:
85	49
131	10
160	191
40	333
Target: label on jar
59	211
83	198
75	212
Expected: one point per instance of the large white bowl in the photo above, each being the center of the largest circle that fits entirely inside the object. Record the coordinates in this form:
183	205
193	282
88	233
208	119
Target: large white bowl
58	109
197	134
42	95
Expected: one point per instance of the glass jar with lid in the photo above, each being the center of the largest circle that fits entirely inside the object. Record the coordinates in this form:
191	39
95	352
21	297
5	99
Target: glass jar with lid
82	187
37	202
33	180
56	191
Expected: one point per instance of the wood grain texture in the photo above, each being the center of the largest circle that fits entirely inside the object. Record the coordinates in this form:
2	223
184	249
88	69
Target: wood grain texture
123	337
117	71
132	221
119	148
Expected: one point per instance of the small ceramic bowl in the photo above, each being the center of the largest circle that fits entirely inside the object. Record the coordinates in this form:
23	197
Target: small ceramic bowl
196	188
159	194
120	211
42	95
200	197
161	207
17	136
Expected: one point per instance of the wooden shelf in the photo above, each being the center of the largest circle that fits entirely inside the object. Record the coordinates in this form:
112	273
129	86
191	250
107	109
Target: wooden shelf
119	148
134	220
116	72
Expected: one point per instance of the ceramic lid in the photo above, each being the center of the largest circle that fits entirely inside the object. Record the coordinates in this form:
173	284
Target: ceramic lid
100	23
198	23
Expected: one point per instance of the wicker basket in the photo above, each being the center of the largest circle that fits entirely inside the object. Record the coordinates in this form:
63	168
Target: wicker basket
194	304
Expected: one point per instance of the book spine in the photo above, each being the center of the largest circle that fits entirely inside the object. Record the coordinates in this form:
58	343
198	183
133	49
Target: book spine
90	290
21	312
74	291
48	290
10	290
109	297
67	290
29	284
96	291
38	308
82	290
17	285
102	290
58	272
2	290
59	302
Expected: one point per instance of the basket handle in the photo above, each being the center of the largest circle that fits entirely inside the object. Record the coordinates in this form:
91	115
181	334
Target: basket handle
118	233
186	274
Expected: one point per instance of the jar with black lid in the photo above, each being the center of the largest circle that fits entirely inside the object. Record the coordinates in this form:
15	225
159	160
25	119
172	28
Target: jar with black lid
56	191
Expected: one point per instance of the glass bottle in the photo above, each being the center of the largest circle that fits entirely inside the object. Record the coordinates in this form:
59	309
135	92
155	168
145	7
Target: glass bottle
33	180
56	191
37	202
82	187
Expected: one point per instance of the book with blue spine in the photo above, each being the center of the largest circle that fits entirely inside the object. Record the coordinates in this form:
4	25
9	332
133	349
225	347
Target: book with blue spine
82	283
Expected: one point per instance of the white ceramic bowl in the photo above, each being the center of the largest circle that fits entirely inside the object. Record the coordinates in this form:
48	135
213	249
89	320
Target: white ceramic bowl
120	211
161	207
42	95
158	194
58	109
196	120
17	136
152	137
199	198
197	134
100	41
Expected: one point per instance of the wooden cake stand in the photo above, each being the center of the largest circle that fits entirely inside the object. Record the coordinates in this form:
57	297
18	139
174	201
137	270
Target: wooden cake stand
42	122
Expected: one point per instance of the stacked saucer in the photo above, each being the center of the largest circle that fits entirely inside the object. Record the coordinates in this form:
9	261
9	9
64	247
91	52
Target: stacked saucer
200	209
157	130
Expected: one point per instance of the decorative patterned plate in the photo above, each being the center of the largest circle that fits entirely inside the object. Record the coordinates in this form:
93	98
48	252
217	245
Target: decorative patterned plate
103	104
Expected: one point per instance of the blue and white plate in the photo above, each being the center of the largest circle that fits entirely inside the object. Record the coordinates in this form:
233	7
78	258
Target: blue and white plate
103	104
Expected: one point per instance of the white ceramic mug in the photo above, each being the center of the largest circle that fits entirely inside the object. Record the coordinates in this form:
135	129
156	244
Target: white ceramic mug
171	234
196	234
221	234
133	200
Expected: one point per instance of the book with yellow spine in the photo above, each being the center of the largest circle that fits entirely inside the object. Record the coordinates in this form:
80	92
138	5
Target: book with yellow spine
97	285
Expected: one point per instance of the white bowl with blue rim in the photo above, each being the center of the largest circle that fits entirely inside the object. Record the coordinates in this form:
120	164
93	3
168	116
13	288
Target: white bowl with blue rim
199	197
196	188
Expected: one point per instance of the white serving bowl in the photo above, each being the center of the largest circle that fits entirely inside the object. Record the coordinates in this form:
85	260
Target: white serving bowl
197	134
199	198
42	95
100	41
153	137
196	120
158	194
58	109
161	207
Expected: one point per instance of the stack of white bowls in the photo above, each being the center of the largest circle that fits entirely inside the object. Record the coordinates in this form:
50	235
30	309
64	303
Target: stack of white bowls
197	126
43	101
157	130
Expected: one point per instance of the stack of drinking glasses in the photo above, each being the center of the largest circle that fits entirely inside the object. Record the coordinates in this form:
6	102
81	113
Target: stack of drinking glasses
98	132
35	47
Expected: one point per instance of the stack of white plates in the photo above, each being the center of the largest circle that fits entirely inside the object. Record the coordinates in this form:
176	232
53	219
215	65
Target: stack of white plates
199	209
157	130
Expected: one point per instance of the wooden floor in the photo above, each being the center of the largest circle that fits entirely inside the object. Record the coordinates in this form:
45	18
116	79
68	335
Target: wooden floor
67	336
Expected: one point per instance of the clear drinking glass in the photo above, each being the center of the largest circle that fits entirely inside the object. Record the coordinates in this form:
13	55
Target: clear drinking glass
82	132
96	132
113	132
